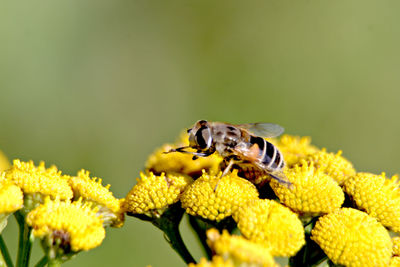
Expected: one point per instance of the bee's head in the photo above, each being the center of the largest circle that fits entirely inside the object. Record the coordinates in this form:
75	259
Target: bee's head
200	136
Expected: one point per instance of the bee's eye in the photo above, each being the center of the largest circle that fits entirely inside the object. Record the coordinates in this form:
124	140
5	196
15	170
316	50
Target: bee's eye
203	138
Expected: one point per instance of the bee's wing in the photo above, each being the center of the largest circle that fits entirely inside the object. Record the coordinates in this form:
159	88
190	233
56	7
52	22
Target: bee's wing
280	177
266	130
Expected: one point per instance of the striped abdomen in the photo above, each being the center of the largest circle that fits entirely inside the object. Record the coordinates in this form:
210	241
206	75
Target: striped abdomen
269	155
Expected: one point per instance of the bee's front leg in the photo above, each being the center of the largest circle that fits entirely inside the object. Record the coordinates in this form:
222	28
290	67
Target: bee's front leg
226	170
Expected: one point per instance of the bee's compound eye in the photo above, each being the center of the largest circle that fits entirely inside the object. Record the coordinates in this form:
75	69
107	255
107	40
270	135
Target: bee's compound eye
203	138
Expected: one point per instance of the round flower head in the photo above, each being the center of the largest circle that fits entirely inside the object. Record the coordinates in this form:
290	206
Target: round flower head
91	190
215	197
11	197
311	191
4	163
217	261
39	180
352	238
11	200
335	165
268	222
182	163
72	224
294	148
239	249
378	196
154	193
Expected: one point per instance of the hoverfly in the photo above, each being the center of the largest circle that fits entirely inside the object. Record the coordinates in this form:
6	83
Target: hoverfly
242	146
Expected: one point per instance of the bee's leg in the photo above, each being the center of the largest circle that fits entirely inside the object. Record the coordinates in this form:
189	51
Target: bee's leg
226	170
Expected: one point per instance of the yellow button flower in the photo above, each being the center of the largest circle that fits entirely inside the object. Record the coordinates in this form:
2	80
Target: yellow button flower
71	223
335	165
92	190
217	261
268	222
239	249
378	196
311	191
41	180
11	197
294	148
215	197
181	163
4	163
154	193
352	238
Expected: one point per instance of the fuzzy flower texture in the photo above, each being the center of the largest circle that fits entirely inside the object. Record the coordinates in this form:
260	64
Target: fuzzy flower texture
274	219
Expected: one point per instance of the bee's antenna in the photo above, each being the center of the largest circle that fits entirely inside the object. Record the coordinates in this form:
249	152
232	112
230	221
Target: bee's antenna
179	149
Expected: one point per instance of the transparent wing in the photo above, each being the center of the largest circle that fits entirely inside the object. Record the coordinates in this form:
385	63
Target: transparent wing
266	130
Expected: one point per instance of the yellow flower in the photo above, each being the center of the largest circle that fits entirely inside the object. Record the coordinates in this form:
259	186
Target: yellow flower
215	197
378	196
311	191
294	148
41	180
91	190
154	193
335	165
239	249
266	221
71	223
4	163
181	163
396	245
352	238
217	261
11	197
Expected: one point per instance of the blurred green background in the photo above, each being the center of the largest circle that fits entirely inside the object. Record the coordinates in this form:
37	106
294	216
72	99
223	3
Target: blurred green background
100	84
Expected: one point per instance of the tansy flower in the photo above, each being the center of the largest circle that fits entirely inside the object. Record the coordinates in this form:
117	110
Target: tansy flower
181	163
294	148
91	190
4	163
378	196
73	225
215	197
268	222
335	165
11	199
311	190
39	180
396	245
239	249
217	261
352	238
154	193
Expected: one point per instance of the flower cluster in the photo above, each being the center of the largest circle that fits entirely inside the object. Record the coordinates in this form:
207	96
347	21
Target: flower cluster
310	212
67	213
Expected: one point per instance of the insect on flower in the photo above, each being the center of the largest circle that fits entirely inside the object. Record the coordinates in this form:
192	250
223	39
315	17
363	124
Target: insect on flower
242	146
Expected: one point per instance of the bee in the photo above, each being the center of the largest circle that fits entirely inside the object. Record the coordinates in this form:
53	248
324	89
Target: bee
242	147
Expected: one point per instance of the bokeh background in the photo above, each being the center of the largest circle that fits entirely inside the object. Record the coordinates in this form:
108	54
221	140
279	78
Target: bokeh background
100	84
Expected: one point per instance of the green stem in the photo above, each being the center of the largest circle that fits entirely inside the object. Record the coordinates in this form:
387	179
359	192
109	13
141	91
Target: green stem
201	234
25	242
168	222
5	253
43	261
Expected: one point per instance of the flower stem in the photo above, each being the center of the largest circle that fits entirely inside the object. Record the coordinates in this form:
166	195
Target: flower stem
43	261
54	263
200	230
5	253
25	242
168	222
